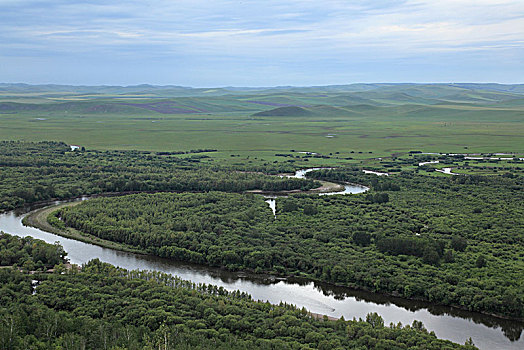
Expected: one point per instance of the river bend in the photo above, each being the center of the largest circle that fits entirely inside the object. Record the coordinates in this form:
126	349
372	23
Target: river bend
449	323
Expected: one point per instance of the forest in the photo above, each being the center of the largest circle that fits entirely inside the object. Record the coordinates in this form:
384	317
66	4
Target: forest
104	307
29	254
33	172
450	240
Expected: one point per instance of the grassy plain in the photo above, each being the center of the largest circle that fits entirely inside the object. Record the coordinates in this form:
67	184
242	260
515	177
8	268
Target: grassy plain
384	120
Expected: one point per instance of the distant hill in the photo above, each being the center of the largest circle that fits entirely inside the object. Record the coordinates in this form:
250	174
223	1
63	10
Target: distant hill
417	90
102	89
68	107
318	101
288	111
514	88
317	110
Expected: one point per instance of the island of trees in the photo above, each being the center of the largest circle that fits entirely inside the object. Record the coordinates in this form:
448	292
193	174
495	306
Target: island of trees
454	241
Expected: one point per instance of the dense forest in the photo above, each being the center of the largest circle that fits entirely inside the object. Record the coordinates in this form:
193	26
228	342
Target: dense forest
104	307
28	253
454	240
33	172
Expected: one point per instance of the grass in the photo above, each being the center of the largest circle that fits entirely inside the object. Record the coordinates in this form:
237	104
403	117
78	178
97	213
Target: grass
377	123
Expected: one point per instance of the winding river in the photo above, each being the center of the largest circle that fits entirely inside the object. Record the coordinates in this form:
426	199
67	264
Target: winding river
348	188
449	323
301	174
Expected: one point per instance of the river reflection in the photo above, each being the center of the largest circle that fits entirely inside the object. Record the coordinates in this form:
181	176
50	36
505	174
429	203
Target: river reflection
457	325
511	329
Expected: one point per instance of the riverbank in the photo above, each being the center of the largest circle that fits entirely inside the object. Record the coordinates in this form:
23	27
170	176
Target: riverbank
38	219
327	187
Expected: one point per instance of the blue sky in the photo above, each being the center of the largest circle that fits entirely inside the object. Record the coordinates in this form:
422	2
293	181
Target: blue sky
261	43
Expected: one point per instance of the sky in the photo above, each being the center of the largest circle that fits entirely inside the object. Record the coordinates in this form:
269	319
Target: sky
260	43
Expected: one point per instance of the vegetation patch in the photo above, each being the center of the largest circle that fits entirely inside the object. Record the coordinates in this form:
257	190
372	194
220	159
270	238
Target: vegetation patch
428	240
33	172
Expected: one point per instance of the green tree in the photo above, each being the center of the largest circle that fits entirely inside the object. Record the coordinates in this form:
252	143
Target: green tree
481	261
375	320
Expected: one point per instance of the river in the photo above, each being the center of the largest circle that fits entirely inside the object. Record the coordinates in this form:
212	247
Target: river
348	188
449	323
301	174
447	171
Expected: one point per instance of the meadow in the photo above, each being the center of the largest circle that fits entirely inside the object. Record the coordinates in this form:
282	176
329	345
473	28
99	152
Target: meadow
382	119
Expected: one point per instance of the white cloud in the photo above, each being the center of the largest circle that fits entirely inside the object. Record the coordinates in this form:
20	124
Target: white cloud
264	32
413	24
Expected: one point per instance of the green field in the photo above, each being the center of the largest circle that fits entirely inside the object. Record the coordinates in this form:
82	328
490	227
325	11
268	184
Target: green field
382	119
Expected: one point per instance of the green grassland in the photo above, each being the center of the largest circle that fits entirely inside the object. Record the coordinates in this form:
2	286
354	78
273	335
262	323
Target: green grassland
382	119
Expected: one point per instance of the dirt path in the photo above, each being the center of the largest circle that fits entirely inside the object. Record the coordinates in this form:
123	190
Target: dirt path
38	218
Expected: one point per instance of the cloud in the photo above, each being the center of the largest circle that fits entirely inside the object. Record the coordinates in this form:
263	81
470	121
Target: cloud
303	31
414	22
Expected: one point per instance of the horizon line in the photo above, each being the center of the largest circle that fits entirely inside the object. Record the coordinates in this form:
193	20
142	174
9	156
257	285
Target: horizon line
257	87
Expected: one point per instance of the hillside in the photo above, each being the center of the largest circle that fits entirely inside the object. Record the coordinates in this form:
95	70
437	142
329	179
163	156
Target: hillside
289	111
